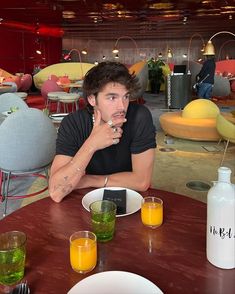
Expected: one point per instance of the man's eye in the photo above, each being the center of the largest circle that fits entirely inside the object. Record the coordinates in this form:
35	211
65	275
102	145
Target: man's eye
112	97
127	97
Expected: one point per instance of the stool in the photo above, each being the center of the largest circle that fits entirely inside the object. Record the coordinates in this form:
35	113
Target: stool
22	95
53	96
69	98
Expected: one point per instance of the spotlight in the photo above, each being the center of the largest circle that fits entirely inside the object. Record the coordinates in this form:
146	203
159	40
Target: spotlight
84	51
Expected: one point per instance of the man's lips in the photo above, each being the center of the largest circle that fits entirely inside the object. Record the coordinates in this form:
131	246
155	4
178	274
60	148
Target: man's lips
119	115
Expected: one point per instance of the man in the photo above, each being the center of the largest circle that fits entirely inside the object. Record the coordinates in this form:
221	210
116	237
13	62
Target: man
205	78
110	143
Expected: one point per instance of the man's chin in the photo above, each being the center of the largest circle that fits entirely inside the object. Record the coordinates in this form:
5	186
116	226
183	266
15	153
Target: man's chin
119	125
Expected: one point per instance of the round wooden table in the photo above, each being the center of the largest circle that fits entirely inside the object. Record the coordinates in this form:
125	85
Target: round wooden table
172	256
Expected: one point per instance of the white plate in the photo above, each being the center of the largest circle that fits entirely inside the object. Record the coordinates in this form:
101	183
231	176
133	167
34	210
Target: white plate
133	199
115	282
58	116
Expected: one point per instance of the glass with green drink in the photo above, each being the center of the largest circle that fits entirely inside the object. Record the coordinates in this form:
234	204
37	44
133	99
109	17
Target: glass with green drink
12	257
103	215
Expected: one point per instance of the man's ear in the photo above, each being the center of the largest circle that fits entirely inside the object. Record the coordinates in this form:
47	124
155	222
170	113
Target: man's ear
92	100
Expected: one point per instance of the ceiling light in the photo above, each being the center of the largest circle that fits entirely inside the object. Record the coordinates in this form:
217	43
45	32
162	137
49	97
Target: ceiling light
171	15
96	62
207	2
227	11
230	16
208	14
116	56
228	7
84	51
68	16
169	53
110	6
185	20
115	50
68	12
208	10
39	52
161	6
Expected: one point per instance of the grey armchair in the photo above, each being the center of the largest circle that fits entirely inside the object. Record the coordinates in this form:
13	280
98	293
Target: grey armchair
8	100
221	86
27	146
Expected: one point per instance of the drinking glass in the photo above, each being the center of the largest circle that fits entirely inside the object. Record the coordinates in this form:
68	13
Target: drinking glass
83	251
152	212
12	257
103	215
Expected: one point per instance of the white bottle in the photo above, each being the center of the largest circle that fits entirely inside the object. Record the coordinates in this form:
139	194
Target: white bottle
220	245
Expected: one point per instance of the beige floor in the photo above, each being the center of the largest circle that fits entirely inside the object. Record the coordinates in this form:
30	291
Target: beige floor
190	162
172	170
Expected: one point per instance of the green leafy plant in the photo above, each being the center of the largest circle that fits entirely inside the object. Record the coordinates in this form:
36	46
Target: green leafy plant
46	111
156	76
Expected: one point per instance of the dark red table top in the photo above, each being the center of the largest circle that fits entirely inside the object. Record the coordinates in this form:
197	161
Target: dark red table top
172	256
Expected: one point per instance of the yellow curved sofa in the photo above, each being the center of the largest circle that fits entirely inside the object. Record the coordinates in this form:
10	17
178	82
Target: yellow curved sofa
74	71
140	69
196	122
5	74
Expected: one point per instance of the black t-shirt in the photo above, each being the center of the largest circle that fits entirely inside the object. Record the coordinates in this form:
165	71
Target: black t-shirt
138	136
207	72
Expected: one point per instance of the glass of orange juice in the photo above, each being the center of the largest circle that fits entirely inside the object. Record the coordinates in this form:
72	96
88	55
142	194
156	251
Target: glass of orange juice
83	251
152	212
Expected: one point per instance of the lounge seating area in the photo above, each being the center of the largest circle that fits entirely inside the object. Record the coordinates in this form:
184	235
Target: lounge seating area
73	70
78	132
18	82
196	122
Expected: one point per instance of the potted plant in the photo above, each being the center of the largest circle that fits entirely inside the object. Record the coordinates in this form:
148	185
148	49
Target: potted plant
156	77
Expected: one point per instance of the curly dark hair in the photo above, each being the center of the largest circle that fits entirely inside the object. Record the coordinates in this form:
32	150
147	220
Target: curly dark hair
105	72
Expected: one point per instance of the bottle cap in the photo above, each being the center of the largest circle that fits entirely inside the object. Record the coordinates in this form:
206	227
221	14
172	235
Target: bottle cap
224	174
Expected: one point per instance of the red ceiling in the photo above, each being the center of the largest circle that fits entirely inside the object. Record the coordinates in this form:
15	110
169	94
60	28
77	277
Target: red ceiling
142	19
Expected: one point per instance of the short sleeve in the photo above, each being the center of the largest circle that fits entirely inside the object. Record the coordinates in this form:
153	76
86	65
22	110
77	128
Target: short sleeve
73	131
143	131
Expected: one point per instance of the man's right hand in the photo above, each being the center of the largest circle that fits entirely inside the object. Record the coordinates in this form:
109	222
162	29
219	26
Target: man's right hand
103	134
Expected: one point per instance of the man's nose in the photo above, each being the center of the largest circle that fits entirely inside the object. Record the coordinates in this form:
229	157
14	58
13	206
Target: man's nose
121	104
